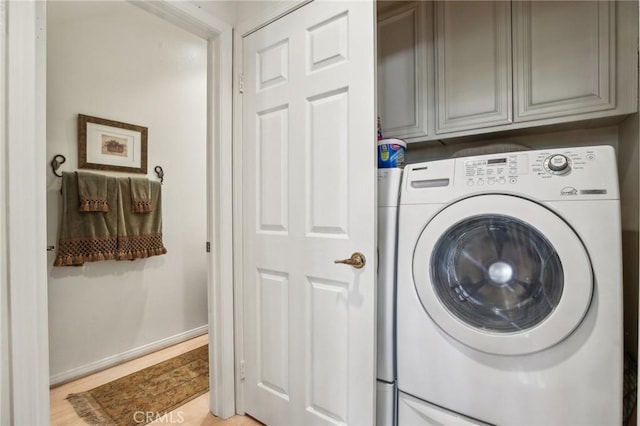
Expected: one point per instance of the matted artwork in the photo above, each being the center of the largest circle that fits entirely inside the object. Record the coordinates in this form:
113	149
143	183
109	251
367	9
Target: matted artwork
111	145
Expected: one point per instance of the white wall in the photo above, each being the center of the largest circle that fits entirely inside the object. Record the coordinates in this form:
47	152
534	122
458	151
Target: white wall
254	11
113	60
221	9
5	366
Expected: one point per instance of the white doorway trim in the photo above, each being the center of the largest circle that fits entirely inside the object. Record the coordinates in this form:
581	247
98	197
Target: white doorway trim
219	189
23	220
24	276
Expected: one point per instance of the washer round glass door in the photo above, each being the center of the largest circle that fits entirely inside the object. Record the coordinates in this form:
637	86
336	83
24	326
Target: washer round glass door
502	274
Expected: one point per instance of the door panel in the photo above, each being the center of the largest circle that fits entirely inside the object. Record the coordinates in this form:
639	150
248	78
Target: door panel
328	42
328	165
273	336
328	363
272	154
309	199
273	65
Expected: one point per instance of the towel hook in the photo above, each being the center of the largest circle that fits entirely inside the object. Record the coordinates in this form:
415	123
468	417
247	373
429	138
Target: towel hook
56	163
159	172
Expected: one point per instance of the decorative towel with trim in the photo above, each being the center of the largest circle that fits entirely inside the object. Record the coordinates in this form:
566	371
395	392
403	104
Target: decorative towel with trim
139	235
92	190
140	195
86	237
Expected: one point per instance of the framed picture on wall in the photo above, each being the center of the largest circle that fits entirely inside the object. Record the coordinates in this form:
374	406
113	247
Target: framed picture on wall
111	145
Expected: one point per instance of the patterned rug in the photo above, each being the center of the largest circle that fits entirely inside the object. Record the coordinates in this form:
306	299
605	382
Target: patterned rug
148	394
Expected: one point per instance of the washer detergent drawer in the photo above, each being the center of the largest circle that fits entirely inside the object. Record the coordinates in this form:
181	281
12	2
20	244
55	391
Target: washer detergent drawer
415	412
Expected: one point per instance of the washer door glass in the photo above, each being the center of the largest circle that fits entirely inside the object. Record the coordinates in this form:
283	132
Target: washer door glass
497	273
502	274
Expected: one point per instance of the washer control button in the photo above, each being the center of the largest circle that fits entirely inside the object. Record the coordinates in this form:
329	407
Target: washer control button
469	182
513	180
480	182
501	181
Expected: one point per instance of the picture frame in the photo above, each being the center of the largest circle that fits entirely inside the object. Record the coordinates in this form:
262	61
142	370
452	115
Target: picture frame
111	145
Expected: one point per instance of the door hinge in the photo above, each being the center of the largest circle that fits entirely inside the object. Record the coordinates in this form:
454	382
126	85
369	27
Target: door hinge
208	247
242	370
241	83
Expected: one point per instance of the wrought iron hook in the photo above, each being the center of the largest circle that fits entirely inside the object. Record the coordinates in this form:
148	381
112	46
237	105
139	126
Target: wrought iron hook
159	172
56	163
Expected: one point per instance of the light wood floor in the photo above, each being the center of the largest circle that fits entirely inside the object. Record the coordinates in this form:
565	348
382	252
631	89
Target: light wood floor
195	412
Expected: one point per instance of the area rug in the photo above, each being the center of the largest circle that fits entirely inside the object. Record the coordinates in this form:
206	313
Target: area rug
148	394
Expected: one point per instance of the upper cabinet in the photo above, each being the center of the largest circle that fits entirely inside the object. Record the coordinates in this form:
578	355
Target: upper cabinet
404	48
473	64
564	58
457	68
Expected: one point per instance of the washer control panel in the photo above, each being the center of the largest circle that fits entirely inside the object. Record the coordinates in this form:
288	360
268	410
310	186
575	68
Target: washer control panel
499	170
507	168
552	174
548	164
564	172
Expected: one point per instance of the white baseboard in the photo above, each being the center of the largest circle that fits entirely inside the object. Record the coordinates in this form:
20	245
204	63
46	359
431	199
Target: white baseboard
117	359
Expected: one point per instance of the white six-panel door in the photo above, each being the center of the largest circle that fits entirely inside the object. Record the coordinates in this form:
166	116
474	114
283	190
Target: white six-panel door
309	199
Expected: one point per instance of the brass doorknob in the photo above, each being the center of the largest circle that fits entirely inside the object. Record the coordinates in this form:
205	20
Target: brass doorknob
357	260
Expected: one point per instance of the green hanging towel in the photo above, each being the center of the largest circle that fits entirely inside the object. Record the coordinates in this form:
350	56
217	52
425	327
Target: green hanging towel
139	235
92	190
86	236
141	195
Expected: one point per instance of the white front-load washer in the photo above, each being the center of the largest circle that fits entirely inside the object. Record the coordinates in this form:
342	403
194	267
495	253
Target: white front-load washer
509	304
388	194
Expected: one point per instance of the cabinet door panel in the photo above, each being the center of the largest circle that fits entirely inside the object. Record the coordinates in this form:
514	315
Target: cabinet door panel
473	64
402	70
564	58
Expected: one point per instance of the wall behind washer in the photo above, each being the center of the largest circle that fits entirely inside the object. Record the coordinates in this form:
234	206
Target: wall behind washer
114	60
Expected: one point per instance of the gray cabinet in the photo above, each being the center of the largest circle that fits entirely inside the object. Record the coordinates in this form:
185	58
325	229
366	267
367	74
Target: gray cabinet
404	63
473	64
564	58
495	65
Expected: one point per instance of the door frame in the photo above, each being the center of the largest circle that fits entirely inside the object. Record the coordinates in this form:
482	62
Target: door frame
23	272
23	303
242	30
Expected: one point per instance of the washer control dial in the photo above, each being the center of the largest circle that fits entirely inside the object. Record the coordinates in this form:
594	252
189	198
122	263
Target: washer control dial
557	164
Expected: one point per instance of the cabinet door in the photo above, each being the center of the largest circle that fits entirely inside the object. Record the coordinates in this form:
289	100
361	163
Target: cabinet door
564	58
403	47
473	64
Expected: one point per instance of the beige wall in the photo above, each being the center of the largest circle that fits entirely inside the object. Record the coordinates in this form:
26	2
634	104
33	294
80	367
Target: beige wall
607	135
221	9
114	60
254	10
